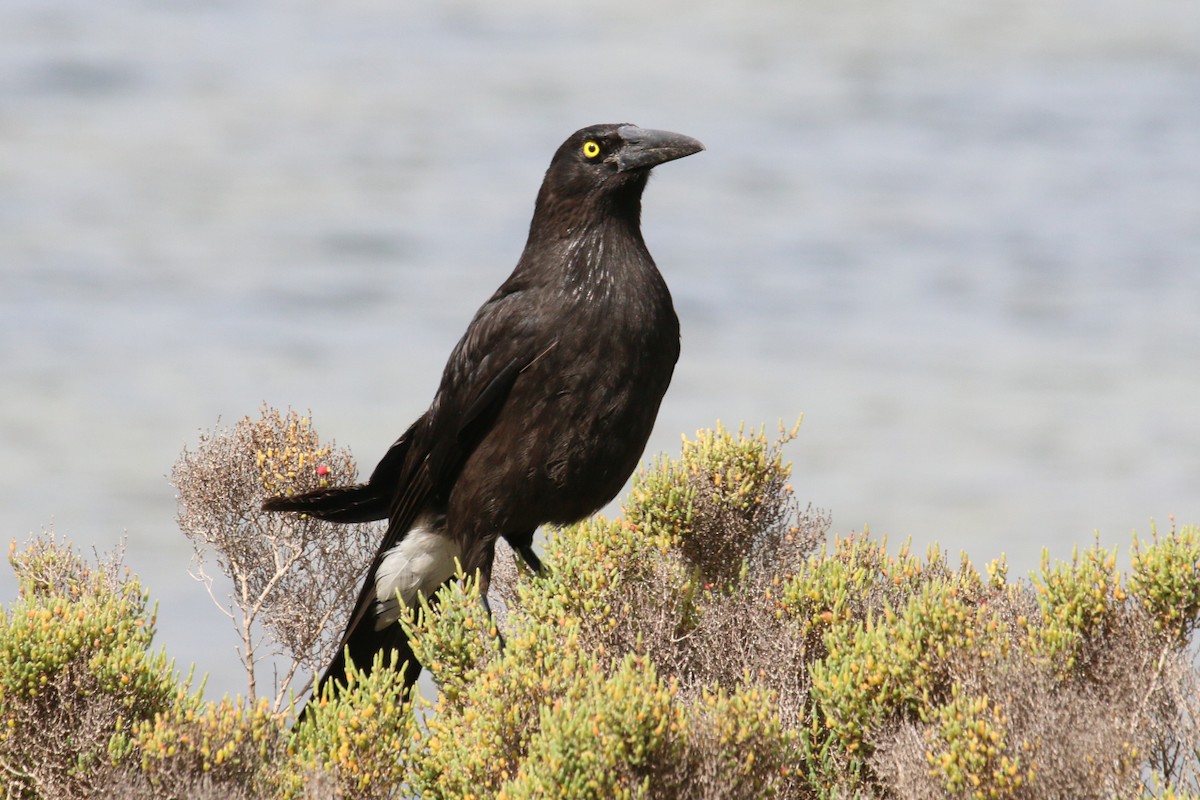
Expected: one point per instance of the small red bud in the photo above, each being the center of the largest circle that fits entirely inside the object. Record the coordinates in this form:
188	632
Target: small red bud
322	470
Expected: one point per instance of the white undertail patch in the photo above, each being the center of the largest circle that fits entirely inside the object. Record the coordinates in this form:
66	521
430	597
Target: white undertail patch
420	563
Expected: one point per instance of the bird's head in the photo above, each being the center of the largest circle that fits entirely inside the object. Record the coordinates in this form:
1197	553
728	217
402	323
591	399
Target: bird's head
612	160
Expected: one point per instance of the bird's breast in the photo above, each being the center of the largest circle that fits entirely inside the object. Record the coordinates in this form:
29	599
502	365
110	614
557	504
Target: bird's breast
575	423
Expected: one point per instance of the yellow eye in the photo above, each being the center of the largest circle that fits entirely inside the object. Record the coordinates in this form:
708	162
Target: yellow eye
591	149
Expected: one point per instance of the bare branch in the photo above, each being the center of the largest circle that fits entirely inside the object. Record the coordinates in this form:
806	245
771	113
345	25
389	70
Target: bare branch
292	576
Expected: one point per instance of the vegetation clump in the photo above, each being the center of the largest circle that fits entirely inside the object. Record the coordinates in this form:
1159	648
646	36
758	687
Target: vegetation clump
711	642
292	576
76	669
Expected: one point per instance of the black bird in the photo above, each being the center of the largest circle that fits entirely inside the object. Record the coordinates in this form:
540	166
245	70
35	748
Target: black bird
545	404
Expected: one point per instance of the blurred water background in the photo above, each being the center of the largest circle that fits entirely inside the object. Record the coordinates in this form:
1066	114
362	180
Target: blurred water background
962	238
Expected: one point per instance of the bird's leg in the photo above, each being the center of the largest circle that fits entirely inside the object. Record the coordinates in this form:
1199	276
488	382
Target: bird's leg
480	564
522	543
531	560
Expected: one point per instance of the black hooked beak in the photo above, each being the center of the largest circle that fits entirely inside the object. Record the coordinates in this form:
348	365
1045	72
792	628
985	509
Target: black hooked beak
644	148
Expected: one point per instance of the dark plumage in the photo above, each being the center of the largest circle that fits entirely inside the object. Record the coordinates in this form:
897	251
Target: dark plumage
545	404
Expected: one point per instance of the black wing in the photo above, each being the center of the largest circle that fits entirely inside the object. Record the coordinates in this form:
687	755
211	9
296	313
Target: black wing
476	383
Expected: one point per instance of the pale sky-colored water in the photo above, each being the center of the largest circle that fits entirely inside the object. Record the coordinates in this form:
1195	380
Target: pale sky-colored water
962	239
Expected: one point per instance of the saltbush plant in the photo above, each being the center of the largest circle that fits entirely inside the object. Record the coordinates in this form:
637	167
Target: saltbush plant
355	743
229	746
76	669
1166	580
710	642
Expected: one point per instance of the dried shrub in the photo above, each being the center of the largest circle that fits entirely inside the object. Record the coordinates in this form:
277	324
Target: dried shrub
1165	583
874	675
894	665
1173	757
294	577
968	747
478	734
502	591
1018	729
133	784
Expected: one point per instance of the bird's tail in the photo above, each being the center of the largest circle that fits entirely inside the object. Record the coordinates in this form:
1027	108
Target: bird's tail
363	646
361	502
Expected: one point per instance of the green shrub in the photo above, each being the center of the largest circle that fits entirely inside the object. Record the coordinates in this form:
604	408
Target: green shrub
1081	602
605	738
1166	581
478	737
703	645
75	670
354	743
724	501
233	743
896	665
970	752
737	746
